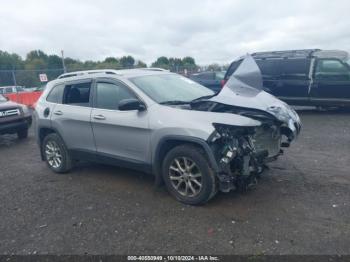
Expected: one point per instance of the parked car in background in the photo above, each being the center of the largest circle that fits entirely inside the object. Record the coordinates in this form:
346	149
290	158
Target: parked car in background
210	79
11	89
304	77
196	141
35	89
14	118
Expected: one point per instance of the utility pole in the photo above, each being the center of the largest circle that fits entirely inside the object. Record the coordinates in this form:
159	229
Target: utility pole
14	77
63	64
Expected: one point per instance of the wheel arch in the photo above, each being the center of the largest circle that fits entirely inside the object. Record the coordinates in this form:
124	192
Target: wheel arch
169	142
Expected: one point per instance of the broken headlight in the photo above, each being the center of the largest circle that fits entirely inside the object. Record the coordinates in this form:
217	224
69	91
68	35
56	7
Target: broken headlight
281	113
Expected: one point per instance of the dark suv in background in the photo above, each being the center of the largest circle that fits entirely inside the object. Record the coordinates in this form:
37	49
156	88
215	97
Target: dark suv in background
304	77
210	79
14	118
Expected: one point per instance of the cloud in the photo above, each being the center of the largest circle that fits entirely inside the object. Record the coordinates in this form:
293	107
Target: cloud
210	31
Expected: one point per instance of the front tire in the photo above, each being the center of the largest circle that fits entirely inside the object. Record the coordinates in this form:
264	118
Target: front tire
188	175
56	154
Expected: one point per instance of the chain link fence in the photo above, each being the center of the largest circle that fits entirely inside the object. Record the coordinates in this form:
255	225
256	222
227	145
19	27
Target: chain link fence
30	79
27	78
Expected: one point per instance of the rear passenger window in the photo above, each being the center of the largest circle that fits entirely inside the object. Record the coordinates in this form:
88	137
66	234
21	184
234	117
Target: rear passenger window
295	67
77	94
108	95
56	94
269	68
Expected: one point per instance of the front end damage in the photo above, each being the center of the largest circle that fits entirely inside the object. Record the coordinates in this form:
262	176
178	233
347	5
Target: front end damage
242	152
239	158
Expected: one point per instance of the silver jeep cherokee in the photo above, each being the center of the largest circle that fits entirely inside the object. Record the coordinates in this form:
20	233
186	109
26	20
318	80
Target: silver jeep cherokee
195	141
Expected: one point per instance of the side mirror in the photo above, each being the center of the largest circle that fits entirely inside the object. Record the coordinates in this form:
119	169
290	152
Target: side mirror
131	104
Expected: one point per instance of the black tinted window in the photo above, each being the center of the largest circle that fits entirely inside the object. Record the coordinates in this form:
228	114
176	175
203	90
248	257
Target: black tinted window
56	94
286	68
108	95
77	94
294	66
269	67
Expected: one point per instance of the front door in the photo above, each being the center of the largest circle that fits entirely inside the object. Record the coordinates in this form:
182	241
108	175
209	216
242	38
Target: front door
331	82
119	135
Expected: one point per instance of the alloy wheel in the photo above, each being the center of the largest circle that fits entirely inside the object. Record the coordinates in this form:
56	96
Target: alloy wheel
53	154
185	176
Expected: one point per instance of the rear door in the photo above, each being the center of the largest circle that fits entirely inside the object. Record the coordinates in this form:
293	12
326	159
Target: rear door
287	79
122	136
71	117
331	82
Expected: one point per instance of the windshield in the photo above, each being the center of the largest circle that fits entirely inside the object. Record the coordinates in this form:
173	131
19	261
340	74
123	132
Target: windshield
2	99
170	87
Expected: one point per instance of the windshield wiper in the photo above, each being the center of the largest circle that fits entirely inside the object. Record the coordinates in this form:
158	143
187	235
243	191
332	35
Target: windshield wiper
204	97
174	102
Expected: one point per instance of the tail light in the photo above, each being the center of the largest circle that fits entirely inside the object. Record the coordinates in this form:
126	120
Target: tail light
223	82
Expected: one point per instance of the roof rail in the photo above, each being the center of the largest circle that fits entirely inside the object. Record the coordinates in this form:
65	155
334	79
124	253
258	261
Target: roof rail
285	53
88	72
153	69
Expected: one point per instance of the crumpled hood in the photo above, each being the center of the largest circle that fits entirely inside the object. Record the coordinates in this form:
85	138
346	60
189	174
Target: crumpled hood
244	89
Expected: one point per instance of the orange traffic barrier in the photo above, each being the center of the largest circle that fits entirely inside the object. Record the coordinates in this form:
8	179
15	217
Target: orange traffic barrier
25	98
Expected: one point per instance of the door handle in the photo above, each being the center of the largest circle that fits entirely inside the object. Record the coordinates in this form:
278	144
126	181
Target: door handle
99	117
58	113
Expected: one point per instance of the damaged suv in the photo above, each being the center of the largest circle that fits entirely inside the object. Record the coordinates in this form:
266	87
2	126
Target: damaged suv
195	141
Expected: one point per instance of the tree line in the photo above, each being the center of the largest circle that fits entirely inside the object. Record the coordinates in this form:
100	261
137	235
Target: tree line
16	70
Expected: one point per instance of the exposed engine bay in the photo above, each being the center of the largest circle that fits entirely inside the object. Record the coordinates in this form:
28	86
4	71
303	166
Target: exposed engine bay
242	152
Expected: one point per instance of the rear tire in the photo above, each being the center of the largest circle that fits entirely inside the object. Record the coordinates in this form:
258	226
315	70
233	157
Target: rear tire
22	134
56	154
188	175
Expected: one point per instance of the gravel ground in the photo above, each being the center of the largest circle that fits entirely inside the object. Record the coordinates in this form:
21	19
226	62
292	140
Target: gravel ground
301	205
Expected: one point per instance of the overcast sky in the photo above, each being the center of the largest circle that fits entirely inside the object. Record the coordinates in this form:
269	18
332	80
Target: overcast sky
210	31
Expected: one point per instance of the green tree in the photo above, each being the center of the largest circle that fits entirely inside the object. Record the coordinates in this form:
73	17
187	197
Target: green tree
140	64
127	61
188	61
162	62
111	60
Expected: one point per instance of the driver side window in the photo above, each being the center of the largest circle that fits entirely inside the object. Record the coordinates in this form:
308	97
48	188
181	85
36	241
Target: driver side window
331	69
108	95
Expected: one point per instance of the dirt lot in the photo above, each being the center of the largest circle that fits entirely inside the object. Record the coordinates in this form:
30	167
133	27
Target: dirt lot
301	205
